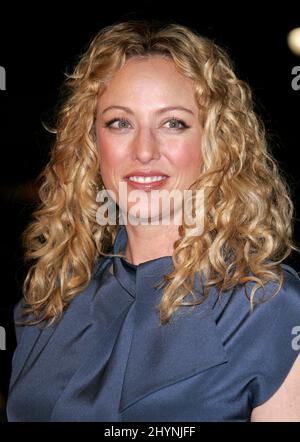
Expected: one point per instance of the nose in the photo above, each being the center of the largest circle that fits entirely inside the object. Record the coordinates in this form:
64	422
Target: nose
145	146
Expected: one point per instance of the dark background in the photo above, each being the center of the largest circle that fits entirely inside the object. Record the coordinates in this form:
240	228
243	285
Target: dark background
38	45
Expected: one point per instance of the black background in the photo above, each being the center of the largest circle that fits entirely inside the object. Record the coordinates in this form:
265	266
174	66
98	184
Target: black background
38	44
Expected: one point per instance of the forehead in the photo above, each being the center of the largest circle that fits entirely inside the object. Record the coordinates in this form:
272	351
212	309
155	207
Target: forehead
143	65
148	78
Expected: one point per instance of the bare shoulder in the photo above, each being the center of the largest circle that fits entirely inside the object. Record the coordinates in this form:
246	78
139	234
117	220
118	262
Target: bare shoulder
284	405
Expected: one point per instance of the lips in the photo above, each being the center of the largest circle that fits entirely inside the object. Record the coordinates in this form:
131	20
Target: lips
146	186
143	173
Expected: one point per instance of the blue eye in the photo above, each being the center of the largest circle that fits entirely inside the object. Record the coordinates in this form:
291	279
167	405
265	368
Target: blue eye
109	123
177	121
124	122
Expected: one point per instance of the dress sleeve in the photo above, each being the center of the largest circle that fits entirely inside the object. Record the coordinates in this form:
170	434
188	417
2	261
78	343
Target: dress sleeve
281	345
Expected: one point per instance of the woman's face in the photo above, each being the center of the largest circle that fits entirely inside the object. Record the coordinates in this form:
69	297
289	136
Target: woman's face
138	135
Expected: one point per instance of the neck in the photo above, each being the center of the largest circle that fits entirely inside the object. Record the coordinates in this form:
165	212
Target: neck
146	243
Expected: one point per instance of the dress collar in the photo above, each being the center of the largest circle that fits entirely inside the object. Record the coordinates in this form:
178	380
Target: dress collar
132	277
161	356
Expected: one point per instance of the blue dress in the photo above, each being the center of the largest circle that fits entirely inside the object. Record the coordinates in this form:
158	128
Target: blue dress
108	359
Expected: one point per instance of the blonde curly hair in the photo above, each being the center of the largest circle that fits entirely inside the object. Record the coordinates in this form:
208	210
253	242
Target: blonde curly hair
248	209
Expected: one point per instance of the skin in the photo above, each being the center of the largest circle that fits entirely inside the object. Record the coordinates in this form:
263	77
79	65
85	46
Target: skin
284	405
149	141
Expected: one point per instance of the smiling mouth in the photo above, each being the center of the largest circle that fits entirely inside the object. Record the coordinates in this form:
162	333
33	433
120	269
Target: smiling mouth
146	183
147	179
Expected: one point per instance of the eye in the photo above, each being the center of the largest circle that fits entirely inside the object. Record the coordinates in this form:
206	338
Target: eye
123	122
176	122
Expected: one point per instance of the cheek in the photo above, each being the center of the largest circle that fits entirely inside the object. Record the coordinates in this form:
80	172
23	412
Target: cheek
110	154
188	156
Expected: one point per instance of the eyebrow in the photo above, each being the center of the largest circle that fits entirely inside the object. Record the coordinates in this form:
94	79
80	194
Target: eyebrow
160	111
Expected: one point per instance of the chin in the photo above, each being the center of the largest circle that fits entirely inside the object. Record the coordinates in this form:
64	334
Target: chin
144	217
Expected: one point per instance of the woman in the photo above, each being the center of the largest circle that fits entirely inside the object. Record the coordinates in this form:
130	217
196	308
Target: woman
159	321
